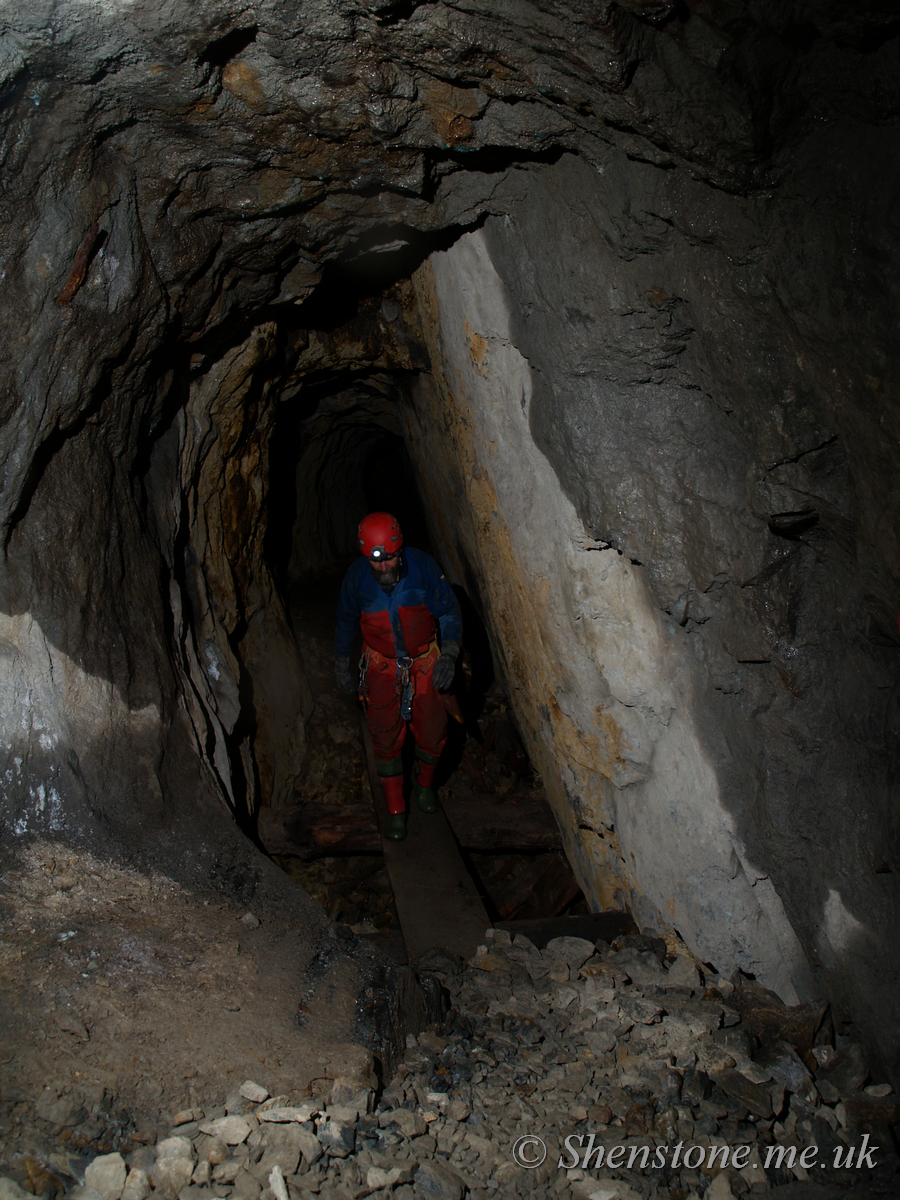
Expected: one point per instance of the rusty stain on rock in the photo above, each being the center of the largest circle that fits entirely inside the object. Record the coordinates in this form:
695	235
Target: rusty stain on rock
452	110
243	82
478	348
460	129
612	738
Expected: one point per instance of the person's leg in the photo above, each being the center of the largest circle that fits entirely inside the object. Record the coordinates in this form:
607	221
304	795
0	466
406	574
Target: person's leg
429	728
392	790
423	781
388	731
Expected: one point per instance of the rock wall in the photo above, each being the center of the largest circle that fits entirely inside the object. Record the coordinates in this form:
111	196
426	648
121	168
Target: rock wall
650	480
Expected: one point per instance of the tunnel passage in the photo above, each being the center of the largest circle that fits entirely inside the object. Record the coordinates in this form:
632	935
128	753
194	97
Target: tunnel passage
338	452
352	460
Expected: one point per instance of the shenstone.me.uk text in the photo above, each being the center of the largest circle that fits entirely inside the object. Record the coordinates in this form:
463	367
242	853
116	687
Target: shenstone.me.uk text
588	1152
585	1151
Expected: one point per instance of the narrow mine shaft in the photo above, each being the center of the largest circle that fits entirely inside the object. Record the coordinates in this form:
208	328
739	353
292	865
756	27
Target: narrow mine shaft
339	452
599	300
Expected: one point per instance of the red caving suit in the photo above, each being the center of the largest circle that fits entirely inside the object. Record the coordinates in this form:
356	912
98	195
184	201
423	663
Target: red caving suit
399	630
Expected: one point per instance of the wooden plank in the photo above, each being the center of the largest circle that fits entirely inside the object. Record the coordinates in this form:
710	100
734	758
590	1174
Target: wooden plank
437	901
510	897
554	892
481	825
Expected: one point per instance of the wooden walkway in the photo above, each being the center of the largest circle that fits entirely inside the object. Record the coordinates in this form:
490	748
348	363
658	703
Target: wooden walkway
437	902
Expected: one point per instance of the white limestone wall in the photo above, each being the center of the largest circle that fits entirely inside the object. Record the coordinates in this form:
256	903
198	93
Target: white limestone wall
599	678
62	731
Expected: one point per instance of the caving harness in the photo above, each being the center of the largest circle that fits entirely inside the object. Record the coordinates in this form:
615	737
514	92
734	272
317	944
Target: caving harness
403	686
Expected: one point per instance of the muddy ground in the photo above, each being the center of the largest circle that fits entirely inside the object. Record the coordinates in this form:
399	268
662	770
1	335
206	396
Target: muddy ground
124	998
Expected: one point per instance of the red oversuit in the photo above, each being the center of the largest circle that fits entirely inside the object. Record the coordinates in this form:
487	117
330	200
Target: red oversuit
400	629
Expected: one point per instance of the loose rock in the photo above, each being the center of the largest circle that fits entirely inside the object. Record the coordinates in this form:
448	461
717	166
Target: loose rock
598	1053
137	1185
438	1181
338	1138
106	1175
10	1190
230	1130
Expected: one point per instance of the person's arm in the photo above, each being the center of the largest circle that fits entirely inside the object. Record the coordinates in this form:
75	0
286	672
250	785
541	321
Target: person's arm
442	603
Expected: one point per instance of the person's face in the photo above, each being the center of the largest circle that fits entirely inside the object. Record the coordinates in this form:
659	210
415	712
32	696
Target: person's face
386	570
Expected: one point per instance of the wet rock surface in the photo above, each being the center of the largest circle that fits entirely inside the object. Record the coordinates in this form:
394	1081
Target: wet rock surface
570	1042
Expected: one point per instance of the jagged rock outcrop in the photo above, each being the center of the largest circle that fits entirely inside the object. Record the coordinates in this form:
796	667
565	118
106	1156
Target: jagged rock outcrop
679	314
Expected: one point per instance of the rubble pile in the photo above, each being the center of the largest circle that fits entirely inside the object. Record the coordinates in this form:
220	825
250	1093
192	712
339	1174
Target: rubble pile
578	1039
576	1045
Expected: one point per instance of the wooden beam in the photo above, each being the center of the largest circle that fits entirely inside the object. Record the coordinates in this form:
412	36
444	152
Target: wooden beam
481	825
488	825
318	830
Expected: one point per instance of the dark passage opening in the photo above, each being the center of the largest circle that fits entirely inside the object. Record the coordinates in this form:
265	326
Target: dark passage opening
389	485
336	455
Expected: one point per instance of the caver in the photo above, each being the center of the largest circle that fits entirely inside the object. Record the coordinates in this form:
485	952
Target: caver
411	630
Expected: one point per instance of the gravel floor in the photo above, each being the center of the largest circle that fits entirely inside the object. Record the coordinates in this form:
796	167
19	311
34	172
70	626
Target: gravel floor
547	1055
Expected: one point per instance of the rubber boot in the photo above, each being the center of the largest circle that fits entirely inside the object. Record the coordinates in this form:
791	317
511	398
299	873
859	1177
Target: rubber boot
392	789
423	785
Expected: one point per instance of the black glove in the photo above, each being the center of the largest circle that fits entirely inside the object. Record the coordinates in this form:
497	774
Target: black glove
445	667
342	676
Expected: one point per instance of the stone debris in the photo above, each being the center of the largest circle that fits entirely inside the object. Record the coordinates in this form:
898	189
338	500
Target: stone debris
337	1137
107	1175
137	1185
231	1130
170	1175
570	1040
282	1114
277	1184
10	1190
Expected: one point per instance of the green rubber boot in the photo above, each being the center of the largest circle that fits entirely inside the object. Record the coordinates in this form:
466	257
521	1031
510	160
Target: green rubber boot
426	799
395	827
391	775
422	786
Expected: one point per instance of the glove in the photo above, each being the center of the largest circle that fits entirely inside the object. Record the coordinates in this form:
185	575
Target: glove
445	667
342	676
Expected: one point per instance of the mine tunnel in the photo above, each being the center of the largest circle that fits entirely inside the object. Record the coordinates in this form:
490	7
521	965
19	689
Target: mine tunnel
338	452
602	302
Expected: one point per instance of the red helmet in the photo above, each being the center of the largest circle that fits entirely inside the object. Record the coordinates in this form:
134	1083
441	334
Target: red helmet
379	535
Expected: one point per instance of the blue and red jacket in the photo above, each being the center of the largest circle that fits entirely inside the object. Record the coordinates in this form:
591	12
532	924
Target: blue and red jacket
402	622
